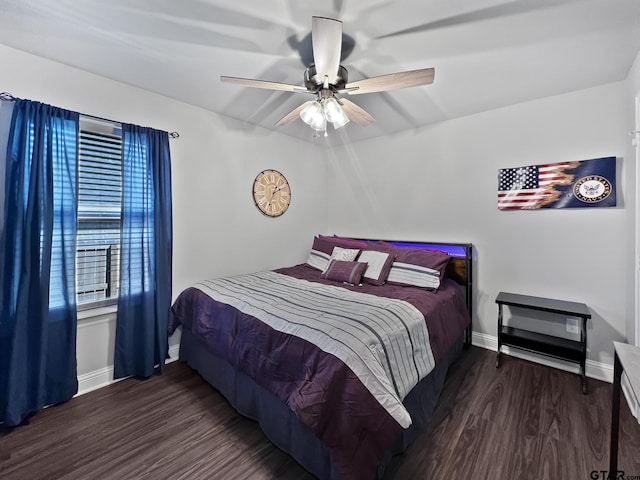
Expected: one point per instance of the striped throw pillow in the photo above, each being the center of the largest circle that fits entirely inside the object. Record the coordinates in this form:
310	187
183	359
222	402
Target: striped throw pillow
345	271
414	275
318	259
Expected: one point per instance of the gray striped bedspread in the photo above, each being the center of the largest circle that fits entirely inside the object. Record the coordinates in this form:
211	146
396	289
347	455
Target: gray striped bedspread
384	341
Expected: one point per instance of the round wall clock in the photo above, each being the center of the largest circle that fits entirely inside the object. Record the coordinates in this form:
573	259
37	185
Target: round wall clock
271	193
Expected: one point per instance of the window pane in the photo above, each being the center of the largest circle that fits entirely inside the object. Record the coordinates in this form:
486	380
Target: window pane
98	260
99	207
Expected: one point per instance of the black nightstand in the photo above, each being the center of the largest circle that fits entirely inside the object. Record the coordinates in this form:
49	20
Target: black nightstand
562	348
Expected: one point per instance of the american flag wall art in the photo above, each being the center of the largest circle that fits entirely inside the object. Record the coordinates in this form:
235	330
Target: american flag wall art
574	184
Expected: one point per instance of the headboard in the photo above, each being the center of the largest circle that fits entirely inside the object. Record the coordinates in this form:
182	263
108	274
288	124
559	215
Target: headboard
459	268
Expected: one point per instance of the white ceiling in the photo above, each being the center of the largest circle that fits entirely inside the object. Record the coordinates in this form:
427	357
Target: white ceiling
487	53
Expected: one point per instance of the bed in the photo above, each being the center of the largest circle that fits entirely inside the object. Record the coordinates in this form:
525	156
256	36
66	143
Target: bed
340	359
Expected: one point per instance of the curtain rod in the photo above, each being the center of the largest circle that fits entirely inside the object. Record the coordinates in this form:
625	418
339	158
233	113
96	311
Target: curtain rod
8	97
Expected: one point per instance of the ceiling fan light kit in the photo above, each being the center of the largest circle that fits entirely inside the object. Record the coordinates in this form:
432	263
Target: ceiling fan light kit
327	80
317	113
334	113
313	115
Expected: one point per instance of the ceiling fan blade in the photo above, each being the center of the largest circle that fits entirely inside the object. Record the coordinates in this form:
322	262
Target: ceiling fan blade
292	116
355	113
248	82
326	37
392	81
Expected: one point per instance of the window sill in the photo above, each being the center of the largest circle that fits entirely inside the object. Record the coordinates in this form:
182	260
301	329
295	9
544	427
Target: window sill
95	313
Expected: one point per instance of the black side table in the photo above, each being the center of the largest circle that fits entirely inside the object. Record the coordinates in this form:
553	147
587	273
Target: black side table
563	348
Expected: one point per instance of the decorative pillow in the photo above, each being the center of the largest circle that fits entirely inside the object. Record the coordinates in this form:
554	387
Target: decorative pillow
379	266
326	244
322	245
344	271
382	246
345	254
344	242
419	267
318	259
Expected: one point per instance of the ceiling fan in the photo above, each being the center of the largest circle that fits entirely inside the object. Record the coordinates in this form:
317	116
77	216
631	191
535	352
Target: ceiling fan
327	80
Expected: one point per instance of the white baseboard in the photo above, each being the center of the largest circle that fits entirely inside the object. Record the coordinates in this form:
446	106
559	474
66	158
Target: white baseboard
101	378
91	381
596	370
174	353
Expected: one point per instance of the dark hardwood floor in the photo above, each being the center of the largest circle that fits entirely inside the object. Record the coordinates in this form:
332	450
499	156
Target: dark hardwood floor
521	421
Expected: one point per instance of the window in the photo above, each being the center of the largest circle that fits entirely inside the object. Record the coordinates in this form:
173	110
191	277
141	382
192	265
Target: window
99	209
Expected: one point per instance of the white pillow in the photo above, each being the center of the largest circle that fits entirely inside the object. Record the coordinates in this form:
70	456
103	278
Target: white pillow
379	265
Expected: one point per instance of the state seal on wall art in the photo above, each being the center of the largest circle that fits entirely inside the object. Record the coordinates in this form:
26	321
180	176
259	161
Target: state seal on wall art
592	189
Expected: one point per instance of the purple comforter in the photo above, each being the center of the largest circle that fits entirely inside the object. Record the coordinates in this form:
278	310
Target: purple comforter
324	394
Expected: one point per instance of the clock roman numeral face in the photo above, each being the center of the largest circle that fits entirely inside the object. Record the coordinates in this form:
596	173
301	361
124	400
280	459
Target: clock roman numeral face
271	193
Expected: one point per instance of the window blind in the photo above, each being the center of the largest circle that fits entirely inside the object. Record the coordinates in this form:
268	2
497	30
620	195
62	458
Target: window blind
99	211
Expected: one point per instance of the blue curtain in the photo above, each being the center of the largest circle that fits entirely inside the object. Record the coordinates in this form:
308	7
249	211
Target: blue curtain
145	251
37	262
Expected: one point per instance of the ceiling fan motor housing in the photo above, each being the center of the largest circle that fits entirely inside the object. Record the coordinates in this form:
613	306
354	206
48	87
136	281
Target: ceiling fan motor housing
313	83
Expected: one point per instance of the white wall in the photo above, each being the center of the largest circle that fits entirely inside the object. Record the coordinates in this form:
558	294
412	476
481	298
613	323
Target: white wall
217	229
633	317
439	183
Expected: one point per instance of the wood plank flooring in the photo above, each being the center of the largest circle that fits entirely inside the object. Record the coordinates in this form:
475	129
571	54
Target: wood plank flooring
521	421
